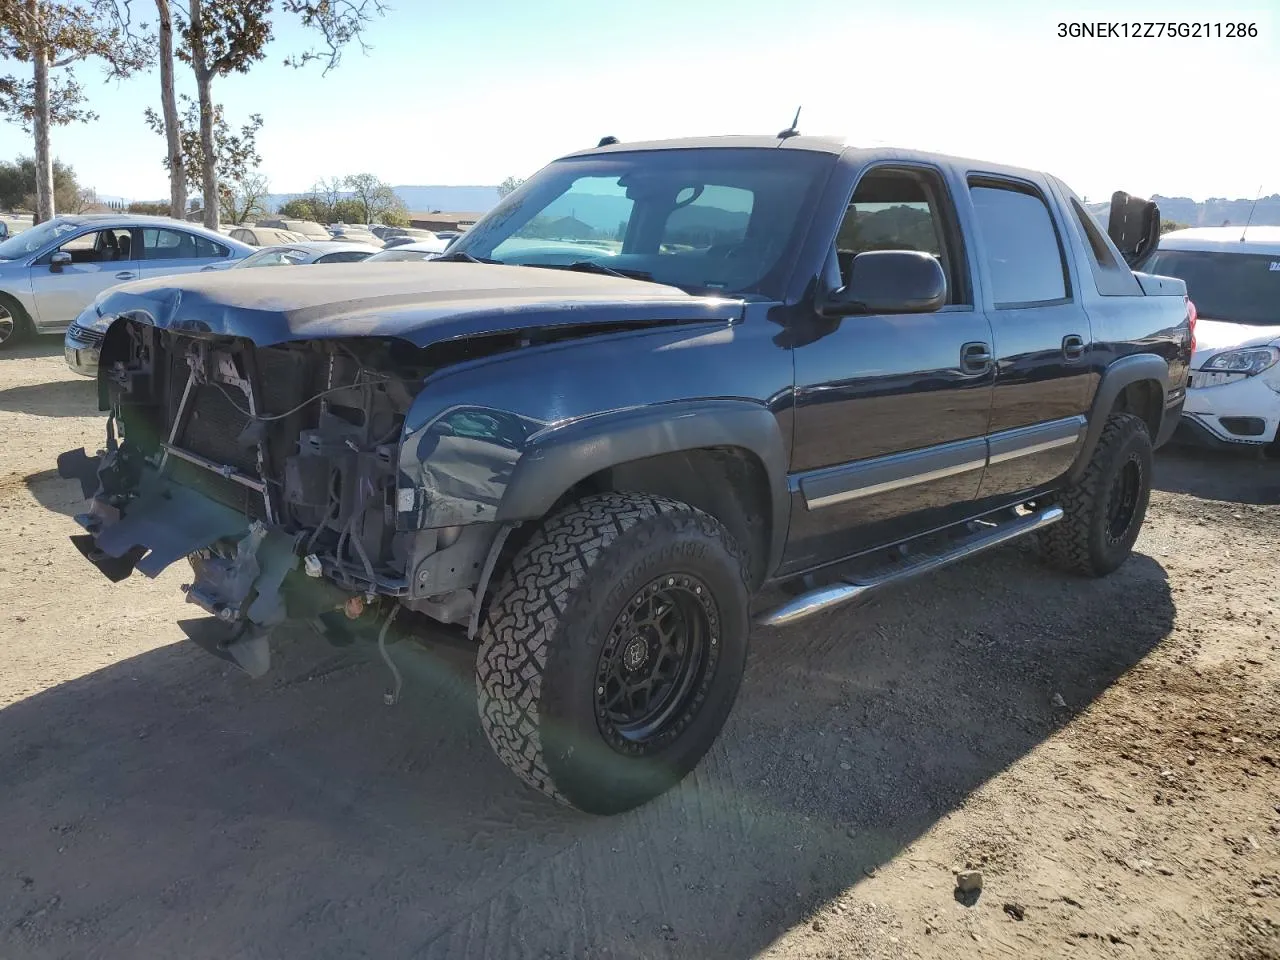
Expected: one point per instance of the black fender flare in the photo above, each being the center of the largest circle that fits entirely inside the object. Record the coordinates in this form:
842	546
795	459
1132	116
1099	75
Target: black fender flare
1122	373
557	459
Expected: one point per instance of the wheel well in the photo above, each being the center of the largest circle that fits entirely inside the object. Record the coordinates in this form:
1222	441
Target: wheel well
729	483
15	308
1145	399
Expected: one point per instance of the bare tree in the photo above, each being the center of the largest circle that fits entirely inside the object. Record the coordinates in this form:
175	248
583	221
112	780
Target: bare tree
509	186
244	198
56	35
374	199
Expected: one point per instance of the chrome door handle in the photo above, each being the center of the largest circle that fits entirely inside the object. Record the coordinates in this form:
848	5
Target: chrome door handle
975	357
126	275
1073	346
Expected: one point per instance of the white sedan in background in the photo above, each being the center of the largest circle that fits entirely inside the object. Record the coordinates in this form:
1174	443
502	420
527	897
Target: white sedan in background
1233	278
309	252
417	250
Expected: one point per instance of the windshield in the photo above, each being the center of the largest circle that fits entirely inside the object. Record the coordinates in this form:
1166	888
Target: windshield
1238	287
718	219
38	237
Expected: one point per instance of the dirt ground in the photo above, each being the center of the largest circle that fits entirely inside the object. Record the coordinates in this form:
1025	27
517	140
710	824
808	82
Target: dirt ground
1105	753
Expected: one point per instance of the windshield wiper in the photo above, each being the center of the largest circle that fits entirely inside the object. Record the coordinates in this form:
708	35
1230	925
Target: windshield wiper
595	266
461	256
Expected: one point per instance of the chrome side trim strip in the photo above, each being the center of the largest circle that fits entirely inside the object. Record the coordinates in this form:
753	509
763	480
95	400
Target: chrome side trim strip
885	486
1034	448
1027	441
866	478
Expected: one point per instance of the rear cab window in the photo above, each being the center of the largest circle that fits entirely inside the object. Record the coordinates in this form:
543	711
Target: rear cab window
1020	244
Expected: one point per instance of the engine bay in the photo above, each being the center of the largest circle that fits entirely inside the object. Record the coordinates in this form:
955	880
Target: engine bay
255	463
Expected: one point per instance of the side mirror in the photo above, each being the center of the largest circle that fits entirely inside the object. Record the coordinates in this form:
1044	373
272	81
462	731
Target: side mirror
889	281
58	261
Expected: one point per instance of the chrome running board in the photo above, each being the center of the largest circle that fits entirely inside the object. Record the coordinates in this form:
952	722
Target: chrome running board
844	591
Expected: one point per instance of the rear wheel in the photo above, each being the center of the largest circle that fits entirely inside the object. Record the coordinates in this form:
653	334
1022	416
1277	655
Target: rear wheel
1105	510
613	650
15	326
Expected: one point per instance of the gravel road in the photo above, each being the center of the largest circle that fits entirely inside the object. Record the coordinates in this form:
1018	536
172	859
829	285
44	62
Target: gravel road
1104	753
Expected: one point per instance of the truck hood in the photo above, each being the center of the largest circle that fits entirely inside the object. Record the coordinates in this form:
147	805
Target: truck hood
422	303
1215	336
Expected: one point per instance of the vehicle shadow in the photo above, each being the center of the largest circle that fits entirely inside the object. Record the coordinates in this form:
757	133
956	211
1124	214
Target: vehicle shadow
166	805
55	493
53	398
39	346
1210	475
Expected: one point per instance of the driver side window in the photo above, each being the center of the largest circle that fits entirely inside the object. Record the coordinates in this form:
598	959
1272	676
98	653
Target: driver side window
903	209
98	246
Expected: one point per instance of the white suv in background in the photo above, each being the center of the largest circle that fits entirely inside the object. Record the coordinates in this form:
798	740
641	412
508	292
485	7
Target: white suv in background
1233	278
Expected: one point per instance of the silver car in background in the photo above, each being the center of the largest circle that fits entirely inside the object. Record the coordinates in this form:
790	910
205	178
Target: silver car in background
90	329
51	272
412	250
307	252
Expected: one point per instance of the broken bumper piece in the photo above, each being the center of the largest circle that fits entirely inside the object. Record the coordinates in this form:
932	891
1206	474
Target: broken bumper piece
240	565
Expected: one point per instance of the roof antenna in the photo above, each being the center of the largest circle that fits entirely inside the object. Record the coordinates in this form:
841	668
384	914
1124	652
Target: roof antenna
793	130
1251	209
607	141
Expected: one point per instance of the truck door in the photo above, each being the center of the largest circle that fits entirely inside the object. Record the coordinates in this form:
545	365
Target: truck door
891	410
1041	331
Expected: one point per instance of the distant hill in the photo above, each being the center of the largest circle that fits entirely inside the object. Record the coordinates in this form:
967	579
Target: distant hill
1213	212
463	199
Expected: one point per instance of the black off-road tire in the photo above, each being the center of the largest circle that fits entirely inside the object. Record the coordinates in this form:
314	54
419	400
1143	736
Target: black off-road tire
558	608
1085	540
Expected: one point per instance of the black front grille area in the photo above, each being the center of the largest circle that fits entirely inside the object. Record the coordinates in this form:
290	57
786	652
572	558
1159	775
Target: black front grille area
214	427
215	424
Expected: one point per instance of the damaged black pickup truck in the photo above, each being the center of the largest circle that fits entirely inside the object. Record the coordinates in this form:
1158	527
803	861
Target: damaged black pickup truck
652	382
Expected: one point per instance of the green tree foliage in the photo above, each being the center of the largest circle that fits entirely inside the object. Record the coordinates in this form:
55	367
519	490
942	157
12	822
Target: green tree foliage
235	151
149	208
18	186
360	198
300	208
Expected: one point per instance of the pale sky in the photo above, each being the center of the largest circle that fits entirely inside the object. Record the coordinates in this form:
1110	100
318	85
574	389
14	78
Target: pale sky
470	93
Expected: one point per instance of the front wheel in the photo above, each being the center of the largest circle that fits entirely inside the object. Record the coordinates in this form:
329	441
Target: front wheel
14	324
1105	509
613	650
